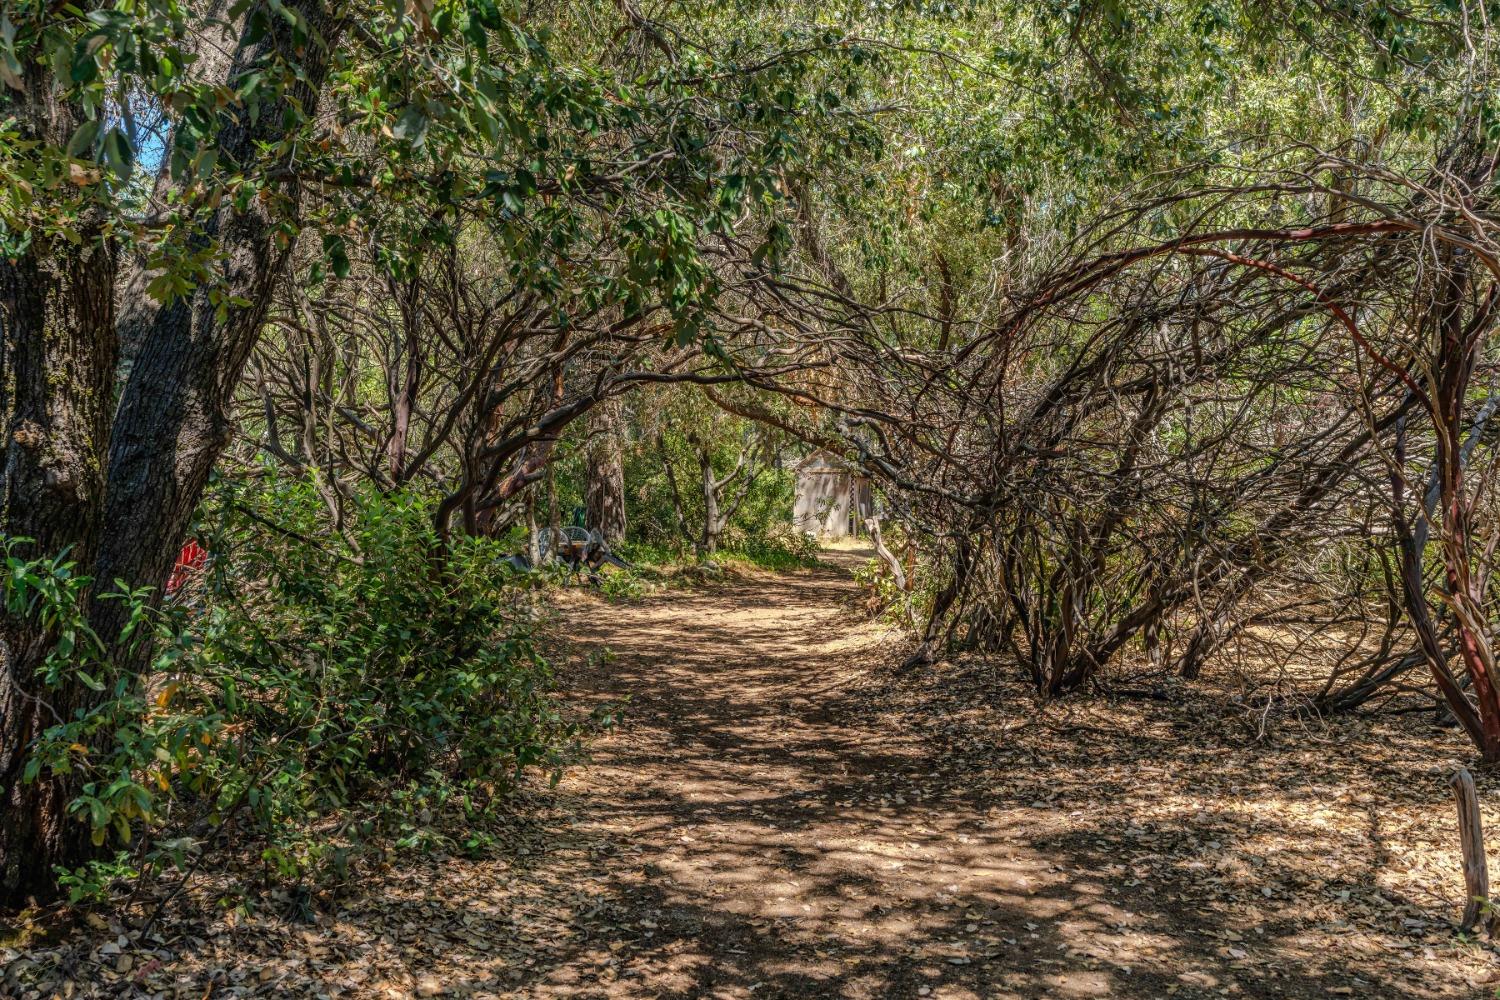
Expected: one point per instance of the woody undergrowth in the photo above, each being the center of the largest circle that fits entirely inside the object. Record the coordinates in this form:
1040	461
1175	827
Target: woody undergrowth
313	698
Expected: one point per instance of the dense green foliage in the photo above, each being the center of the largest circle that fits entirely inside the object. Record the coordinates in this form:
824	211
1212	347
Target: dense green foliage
309	694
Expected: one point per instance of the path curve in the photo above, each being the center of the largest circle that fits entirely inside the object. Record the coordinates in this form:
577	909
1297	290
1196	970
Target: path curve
779	815
773	834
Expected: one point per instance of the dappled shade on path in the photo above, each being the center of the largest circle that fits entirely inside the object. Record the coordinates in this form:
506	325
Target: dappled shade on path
775	824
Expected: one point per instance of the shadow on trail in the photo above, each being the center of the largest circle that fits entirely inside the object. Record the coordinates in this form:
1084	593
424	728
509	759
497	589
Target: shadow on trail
764	826
776	816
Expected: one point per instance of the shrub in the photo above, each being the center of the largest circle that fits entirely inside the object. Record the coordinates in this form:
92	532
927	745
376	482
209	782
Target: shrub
327	688
776	547
129	744
403	684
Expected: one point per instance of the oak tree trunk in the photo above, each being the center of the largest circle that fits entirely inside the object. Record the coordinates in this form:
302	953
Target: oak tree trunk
57	364
173	419
56	367
111	486
605	497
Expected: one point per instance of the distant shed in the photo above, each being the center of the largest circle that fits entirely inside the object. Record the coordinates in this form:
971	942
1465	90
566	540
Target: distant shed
833	499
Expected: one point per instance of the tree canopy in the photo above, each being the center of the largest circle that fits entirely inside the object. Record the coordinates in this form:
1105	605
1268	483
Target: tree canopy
1145	324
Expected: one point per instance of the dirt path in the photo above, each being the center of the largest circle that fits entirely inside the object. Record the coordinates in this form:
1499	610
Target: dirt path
770	821
756	810
779	816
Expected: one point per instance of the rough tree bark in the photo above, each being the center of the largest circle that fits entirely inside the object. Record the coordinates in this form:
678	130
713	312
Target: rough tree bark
606	475
115	487
57	361
173	418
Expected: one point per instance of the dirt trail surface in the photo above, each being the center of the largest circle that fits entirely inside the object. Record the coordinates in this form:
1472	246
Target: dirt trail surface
779	814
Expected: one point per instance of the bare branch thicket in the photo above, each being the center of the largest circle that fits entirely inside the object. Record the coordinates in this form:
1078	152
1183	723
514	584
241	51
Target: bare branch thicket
1176	444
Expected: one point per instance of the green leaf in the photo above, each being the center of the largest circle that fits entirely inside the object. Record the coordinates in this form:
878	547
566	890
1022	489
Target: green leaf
338	256
85	68
118	154
81	146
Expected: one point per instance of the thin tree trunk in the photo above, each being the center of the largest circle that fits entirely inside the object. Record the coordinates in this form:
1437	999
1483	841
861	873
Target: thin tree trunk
892	564
947	302
711	523
403	379
606	475
1476	866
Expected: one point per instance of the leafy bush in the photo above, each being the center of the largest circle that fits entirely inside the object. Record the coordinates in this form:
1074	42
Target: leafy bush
326	690
127	744
94	881
402	685
777	547
881	599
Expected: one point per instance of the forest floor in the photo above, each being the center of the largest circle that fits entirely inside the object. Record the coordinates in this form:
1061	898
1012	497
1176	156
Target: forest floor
779	814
